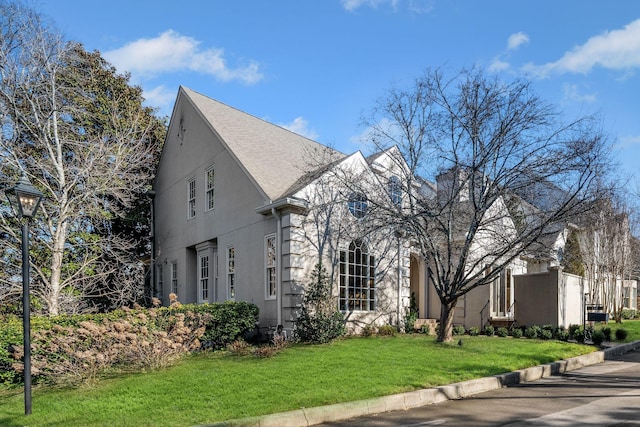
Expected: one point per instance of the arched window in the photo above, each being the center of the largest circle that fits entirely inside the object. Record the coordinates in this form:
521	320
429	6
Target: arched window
357	278
395	190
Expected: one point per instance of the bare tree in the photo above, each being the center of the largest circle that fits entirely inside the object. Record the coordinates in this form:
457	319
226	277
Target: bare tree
81	134
506	169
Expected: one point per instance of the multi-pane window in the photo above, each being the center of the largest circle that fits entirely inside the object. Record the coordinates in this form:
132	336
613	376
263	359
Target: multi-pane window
174	277
191	198
270	265
231	272
203	277
357	278
395	190
210	181
357	205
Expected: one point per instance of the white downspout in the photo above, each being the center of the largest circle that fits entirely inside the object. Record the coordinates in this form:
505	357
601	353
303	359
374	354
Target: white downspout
278	217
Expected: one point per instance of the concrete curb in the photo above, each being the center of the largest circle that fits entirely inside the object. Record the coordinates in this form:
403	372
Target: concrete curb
413	399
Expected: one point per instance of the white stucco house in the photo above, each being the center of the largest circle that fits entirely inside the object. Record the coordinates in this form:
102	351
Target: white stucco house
244	209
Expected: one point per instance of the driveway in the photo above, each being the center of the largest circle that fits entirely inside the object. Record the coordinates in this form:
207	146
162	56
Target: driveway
604	394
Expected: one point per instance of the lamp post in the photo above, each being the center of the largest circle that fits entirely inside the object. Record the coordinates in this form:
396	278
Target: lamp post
25	199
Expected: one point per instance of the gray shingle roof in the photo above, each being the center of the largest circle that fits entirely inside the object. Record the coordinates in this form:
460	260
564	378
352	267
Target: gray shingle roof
274	158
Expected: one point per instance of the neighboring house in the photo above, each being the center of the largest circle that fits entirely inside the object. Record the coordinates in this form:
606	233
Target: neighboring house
244	209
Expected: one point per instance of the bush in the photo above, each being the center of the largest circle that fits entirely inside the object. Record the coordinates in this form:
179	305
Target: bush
573	329
607	333
368	331
516	333
621	334
533	332
578	335
319	320
76	348
459	330
628	314
546	334
597	337
562	334
489	330
426	329
502	332
387	330
474	331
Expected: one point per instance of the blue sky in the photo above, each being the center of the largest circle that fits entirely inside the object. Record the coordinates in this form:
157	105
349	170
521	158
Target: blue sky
316	66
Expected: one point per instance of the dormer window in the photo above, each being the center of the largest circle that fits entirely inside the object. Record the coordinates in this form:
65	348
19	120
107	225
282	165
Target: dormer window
358	205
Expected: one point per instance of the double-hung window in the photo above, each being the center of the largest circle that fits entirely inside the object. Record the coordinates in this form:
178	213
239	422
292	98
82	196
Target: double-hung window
203	277
210	183
270	260
174	277
231	272
191	198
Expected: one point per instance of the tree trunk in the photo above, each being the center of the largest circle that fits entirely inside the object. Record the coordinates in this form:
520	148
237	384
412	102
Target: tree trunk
445	332
55	285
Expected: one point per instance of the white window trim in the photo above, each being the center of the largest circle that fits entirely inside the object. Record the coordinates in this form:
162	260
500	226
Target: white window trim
191	198
174	277
201	277
267	295
209	192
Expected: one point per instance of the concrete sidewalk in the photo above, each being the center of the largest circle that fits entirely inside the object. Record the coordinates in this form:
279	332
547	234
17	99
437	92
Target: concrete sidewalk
404	401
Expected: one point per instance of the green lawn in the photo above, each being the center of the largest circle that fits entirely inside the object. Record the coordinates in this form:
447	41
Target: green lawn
211	387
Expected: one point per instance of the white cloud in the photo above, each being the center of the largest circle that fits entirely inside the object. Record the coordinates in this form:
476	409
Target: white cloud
170	52
498	65
629	141
572	93
159	95
300	126
614	50
516	40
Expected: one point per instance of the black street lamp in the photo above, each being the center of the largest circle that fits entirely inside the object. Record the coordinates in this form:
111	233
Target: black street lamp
25	199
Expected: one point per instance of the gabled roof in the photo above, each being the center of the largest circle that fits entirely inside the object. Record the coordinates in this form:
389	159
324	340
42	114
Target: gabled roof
273	157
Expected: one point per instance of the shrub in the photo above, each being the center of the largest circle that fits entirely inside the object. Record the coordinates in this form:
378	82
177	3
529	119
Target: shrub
516	333
76	348
573	329
387	330
474	331
562	334
425	329
629	314
532	332
546	334
597	337
319	320
459	330
578	335
621	334
502	332
239	348
368	331
607	333
489	330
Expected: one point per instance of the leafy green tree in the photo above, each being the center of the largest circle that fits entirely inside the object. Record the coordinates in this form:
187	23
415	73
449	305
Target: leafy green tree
78	129
572	261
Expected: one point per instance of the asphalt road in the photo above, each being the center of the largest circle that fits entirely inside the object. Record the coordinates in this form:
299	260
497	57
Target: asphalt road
605	394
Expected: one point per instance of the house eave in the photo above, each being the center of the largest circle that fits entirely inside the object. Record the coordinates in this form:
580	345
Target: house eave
280	204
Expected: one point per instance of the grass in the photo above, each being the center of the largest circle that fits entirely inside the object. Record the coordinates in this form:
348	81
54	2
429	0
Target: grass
211	387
